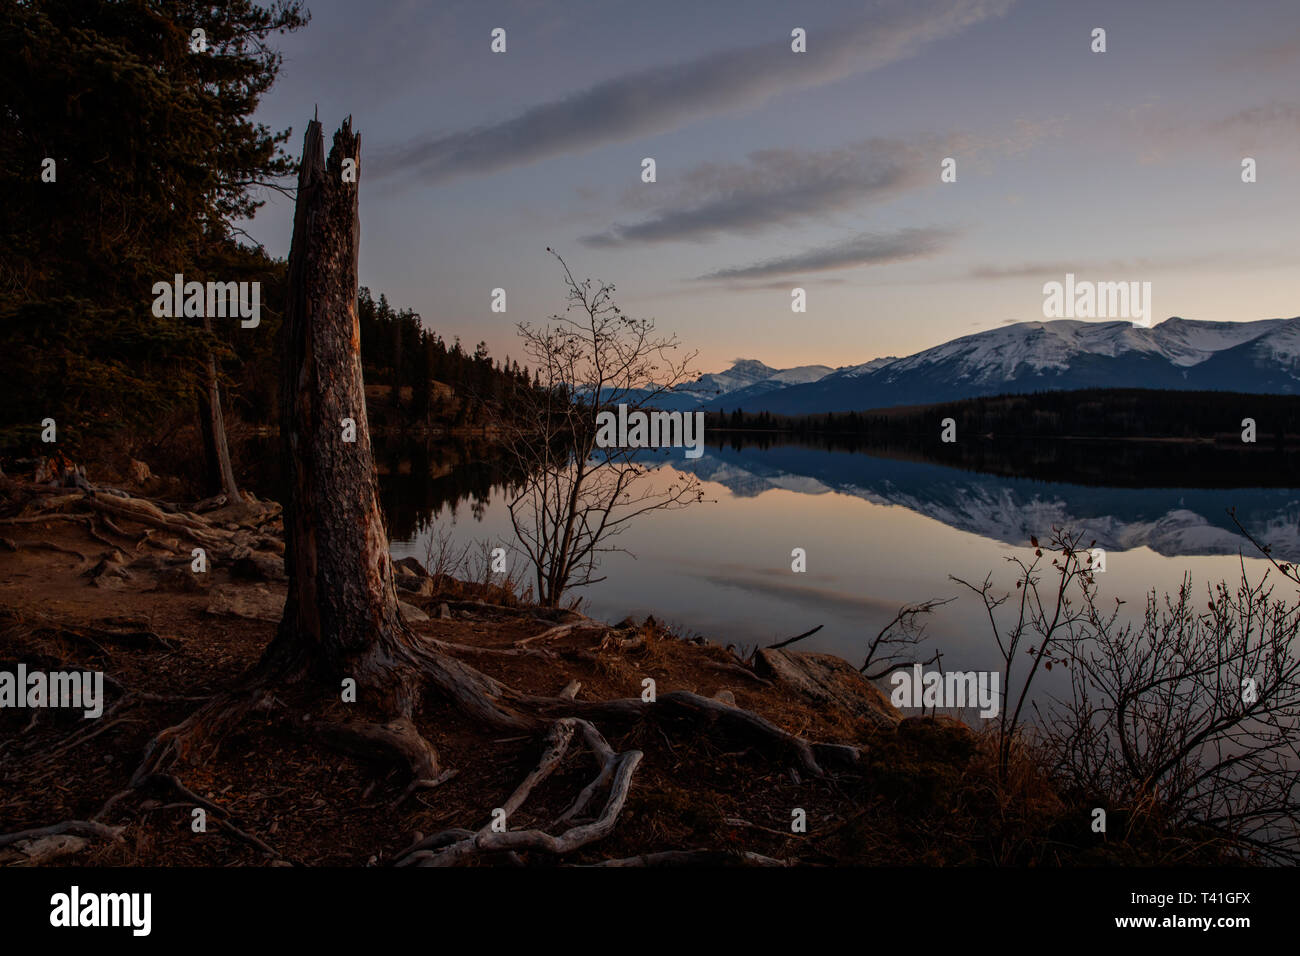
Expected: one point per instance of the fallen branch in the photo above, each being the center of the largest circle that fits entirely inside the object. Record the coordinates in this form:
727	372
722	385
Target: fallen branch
560	630
798	637
740	669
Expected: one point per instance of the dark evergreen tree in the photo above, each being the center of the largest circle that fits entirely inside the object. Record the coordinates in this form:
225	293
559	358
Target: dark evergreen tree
155	156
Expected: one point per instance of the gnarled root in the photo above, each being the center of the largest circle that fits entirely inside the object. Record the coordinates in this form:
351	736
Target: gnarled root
451	847
475	693
399	740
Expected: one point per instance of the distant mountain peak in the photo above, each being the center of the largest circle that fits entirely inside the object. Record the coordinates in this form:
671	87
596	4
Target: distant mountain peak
745	379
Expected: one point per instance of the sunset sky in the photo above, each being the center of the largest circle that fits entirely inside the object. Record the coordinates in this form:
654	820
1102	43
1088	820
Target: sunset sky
821	170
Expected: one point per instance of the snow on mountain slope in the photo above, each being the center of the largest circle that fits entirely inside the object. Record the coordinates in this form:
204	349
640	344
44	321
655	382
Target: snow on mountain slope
801	374
745	373
866	368
1280	344
1000	354
1012	349
1187	343
747	378
1261	356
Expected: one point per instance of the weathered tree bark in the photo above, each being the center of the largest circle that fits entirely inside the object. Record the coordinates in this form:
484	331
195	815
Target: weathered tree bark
341	616
214	433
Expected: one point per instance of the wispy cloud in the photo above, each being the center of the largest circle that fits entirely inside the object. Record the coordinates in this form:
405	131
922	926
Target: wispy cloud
1258	121
1137	266
776	186
774	286
664	98
867	249
1056	269
1280	52
1165	135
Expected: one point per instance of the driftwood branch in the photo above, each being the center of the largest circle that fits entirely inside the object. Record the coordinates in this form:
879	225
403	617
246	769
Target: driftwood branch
82	827
798	637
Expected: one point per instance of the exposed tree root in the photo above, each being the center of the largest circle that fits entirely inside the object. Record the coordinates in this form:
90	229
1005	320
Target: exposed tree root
108	523
452	847
425	783
105	504
475	693
732	722
141	512
400	670
82	827
398	739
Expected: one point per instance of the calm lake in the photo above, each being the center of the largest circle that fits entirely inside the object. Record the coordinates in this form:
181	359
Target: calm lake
879	532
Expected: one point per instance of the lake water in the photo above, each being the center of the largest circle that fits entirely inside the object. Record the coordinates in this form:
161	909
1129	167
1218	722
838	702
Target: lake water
878	532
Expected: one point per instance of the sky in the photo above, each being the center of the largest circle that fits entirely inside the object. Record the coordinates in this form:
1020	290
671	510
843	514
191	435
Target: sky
818	170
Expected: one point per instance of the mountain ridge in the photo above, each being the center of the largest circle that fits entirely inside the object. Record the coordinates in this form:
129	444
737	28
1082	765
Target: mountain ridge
1262	356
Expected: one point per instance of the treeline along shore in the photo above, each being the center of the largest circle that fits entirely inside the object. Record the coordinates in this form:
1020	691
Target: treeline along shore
1117	437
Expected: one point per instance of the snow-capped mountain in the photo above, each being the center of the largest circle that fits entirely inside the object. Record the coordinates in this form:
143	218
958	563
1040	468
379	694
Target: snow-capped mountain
854	371
746	379
746	373
1261	356
1189	343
